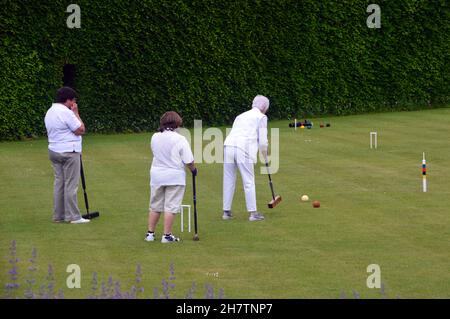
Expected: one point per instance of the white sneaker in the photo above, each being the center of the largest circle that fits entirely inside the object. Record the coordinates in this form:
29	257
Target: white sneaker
150	237
80	221
254	217
169	239
227	214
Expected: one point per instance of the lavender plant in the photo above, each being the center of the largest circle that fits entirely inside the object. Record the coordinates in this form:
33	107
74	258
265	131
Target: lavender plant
13	286
31	273
357	295
112	289
209	291
94	286
191	291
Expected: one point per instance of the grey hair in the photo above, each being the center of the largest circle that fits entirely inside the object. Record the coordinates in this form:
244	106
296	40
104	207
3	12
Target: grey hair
261	103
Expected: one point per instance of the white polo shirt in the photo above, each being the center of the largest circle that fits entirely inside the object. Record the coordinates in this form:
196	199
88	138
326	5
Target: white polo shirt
60	123
249	133
171	151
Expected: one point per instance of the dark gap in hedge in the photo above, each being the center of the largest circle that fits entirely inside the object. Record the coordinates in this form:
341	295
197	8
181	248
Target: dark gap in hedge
69	75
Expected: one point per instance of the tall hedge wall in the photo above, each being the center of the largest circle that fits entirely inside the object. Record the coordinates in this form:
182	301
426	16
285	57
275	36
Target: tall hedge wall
207	59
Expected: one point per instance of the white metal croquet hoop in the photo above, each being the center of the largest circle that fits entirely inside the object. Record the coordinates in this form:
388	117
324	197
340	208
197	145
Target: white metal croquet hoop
373	140
188	207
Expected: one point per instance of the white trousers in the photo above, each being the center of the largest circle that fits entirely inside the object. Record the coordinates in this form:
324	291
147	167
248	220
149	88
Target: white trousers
235	158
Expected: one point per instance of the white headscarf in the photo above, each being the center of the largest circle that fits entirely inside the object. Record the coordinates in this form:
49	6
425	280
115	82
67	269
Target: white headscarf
261	103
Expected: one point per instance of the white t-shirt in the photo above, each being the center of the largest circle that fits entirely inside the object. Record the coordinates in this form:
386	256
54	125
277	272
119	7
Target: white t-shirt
171	151
249	132
60	123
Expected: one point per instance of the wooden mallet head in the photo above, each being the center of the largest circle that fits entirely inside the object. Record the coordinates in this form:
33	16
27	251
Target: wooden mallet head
274	202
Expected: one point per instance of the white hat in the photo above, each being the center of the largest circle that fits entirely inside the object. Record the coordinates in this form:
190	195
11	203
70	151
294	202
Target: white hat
261	103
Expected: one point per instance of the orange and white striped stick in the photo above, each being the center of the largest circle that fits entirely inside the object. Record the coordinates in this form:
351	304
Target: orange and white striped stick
424	174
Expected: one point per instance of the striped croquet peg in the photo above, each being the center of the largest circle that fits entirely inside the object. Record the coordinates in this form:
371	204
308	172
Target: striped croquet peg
424	174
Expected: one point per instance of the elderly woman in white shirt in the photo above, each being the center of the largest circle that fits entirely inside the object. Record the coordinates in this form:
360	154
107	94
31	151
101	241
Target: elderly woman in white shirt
64	129
248	134
171	153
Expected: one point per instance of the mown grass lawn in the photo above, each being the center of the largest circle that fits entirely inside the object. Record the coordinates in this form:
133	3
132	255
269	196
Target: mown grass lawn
373	211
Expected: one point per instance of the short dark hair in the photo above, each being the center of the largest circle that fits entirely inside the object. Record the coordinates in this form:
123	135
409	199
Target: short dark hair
65	93
169	121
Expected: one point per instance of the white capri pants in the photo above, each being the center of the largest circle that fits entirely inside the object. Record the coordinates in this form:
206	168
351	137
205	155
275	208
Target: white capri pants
234	158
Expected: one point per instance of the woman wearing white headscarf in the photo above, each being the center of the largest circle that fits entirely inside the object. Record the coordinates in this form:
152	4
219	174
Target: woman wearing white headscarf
249	133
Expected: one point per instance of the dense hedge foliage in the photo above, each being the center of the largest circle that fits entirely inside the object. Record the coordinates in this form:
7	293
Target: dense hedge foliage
208	58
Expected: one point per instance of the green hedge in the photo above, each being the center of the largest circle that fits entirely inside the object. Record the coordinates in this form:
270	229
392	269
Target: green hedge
208	58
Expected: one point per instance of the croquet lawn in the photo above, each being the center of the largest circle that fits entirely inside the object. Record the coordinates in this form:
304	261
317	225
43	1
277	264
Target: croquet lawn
373	211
